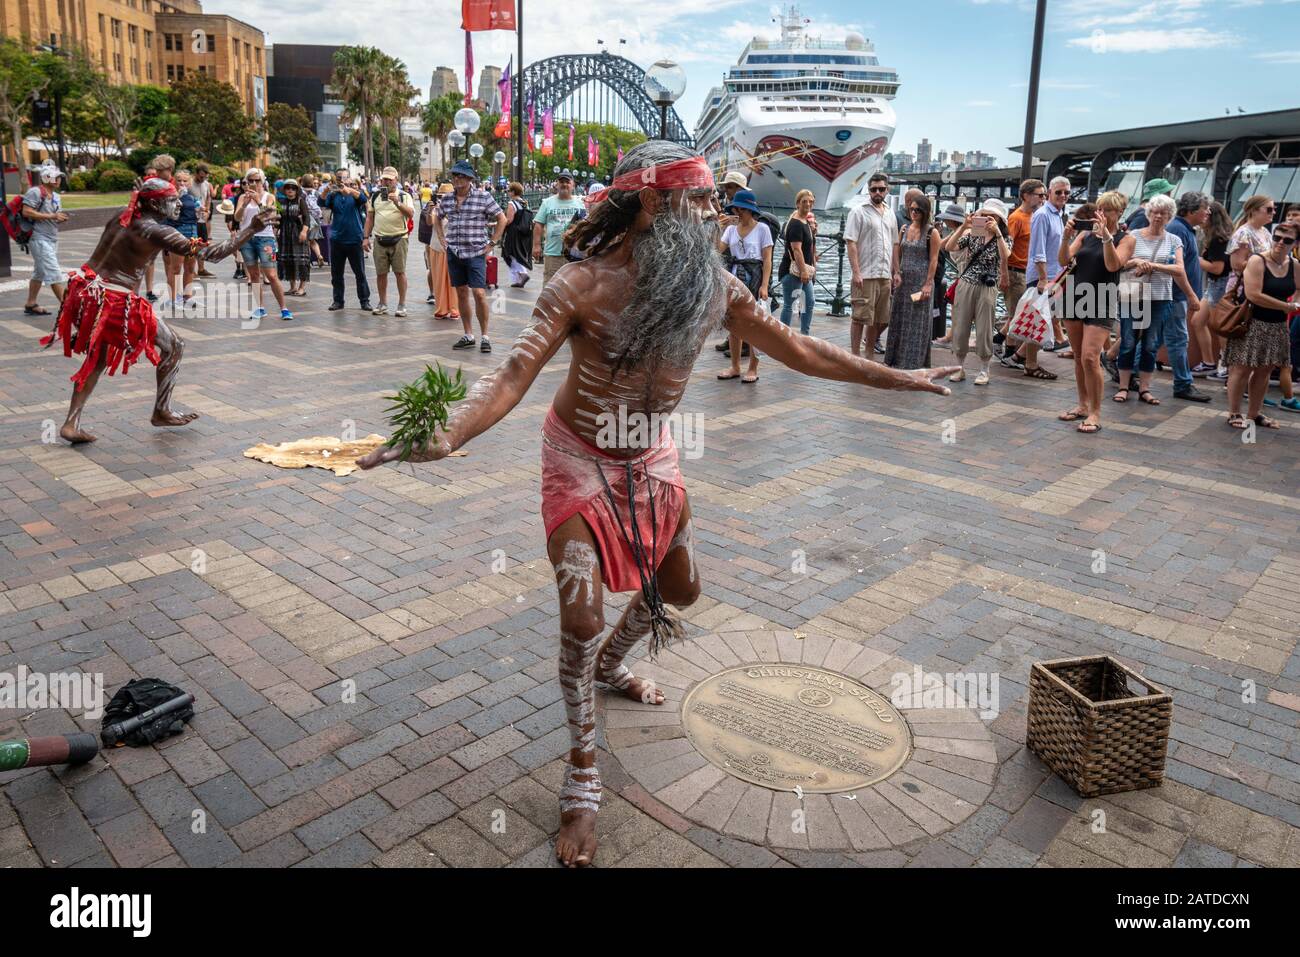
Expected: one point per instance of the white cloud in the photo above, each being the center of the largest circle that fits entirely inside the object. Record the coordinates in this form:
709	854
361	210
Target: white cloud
1282	56
1153	41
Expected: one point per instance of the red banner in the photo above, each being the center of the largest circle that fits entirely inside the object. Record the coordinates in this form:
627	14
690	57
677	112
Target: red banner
487	15
548	133
570	142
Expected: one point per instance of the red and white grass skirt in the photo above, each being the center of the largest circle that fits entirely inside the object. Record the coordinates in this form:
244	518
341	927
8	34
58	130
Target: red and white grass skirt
104	322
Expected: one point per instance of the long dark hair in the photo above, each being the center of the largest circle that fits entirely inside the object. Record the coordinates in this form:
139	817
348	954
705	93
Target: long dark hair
608	221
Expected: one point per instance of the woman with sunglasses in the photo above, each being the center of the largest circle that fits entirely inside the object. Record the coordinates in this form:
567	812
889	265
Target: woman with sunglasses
1270	283
916	256
260	252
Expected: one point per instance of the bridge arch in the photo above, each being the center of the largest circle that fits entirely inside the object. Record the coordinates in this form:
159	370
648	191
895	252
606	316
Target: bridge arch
551	81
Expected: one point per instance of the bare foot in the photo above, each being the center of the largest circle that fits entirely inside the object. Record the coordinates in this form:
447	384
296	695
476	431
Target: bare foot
638	689
75	436
168	417
575	845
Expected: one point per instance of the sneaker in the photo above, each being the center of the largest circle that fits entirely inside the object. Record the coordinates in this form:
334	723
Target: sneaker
258	313
999	338
1219	375
380	310
335	306
464	342
1271	403
365	307
400	312
1012	361
151	296
982	378
1192	394
1291	405
286	315
1202	369
485	346
431	299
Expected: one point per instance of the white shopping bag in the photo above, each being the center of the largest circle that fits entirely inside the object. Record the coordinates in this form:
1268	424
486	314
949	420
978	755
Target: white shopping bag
1032	320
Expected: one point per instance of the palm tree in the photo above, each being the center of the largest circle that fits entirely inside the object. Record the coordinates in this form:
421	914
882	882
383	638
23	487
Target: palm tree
438	120
358	80
394	100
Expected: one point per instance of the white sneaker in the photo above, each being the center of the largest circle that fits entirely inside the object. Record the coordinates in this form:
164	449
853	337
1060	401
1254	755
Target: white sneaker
982	379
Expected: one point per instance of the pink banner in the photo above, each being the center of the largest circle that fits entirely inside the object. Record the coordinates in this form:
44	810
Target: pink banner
548	133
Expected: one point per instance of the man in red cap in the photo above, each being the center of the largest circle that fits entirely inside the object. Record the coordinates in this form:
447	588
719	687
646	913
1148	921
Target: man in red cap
103	318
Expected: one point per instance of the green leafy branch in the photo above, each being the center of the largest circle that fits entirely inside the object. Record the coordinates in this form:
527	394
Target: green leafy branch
421	407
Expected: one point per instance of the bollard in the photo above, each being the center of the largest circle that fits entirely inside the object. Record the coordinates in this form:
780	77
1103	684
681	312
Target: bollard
838	303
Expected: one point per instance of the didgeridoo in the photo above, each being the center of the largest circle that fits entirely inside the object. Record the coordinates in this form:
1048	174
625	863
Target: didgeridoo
53	749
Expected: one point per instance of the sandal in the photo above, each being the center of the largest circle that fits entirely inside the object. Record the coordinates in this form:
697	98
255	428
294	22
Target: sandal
1037	372
35	311
728	375
1146	396
747	380
1121	392
1236	421
1088	428
1065	354
1264	422
1072	416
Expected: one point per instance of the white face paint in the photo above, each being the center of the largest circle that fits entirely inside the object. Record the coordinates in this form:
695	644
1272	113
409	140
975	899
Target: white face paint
574	573
686	539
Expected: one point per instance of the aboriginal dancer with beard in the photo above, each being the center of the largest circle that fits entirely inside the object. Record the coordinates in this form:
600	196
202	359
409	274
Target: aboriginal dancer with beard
635	313
104	319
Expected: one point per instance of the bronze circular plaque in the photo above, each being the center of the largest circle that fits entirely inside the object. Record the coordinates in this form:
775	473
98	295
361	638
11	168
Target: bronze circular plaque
783	726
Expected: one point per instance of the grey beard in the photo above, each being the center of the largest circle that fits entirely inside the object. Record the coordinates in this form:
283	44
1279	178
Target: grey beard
677	298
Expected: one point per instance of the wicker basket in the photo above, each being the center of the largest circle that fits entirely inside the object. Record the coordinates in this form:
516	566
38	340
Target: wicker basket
1091	728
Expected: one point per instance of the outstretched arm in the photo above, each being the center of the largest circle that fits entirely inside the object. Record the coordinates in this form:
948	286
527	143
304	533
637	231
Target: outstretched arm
816	357
495	394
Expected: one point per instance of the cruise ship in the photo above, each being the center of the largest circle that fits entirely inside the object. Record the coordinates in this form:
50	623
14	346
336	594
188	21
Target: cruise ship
801	113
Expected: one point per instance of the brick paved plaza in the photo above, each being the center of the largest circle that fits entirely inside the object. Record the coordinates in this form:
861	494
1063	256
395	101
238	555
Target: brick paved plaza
970	555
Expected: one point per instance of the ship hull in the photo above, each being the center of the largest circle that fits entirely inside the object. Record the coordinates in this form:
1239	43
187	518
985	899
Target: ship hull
781	154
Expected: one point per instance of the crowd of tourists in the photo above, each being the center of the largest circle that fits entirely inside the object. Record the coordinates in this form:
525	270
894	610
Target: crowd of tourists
1132	290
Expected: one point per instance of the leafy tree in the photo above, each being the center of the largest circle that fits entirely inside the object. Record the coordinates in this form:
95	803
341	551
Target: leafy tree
291	136
153	117
210	120
22	82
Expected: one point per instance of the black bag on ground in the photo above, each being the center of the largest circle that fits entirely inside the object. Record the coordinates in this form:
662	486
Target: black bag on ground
138	696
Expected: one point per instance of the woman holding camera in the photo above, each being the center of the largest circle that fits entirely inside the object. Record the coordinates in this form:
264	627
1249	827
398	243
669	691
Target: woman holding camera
980	248
1089	303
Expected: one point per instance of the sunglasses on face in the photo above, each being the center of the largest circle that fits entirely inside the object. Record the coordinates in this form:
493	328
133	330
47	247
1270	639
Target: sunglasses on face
1060	192
1284	240
1268	209
915	209
877	189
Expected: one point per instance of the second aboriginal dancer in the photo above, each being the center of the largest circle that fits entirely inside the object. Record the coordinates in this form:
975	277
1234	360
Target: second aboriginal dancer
635	313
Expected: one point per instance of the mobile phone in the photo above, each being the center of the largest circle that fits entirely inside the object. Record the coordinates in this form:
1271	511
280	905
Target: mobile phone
979	222
1083	225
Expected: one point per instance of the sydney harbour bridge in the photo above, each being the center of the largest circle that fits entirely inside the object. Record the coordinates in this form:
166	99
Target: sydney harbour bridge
595	88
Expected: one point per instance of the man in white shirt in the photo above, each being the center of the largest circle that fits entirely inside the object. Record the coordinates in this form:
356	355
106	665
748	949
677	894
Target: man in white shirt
870	235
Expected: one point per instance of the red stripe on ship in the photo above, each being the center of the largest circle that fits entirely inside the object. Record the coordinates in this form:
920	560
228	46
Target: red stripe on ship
825	164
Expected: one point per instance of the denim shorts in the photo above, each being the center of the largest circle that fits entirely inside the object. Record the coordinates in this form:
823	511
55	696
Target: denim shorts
259	251
470	272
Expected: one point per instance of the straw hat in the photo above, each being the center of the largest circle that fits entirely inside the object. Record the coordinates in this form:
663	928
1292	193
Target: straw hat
226	208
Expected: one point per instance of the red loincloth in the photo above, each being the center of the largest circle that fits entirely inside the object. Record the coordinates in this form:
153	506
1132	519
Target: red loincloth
571	485
100	320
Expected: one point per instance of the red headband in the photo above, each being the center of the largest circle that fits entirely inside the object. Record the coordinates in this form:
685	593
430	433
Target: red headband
690	173
132	210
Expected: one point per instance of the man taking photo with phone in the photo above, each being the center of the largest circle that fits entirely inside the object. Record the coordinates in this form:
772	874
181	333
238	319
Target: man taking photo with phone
389	210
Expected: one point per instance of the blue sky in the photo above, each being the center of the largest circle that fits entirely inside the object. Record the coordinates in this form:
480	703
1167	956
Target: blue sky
1107	64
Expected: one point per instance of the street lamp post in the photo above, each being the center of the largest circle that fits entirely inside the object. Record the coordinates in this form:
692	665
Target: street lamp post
475	151
457	139
1031	108
58	110
467	123
664	83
